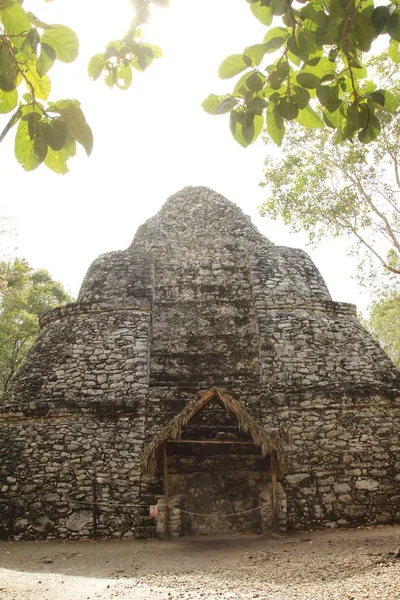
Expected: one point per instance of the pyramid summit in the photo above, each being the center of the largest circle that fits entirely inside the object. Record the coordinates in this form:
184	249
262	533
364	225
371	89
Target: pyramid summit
200	301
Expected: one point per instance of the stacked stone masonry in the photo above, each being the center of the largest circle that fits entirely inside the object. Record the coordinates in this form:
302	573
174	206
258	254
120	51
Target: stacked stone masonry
199	299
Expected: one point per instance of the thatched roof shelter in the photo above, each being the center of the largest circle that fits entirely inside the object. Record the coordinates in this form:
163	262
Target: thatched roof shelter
271	442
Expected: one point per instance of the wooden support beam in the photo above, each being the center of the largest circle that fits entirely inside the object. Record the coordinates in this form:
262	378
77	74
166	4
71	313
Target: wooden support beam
209	442
94	506
273	482
166	491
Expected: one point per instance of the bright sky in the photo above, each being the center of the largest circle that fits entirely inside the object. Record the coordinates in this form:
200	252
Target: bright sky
149	142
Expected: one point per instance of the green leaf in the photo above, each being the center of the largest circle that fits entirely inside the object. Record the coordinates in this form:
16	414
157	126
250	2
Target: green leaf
231	66
111	77
37	22
288	109
332	33
226	105
256	81
371	132
253	55
314	18
307	117
279	7
316	69
328	95
124	77
367	8
252	130
364	33
356	117
257	104
380	17
393	26
321	66
293	58
8	101
333	120
75	121
156	50
56	160
211	103
13	121
29	153
275	38
305	44
46	59
8	71
235	125
64	42
95	66
142	59
41	85
394	51
275	124
29	46
245	127
283	69
358	69
15	21
55	134
34	125
263	13
293	48
112	49
386	99
275	80
144	56
241	88
301	96
307	80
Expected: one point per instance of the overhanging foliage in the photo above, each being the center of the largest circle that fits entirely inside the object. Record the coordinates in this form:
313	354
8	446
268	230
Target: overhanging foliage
316	49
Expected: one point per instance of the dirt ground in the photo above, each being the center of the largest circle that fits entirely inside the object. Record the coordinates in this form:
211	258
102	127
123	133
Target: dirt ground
355	564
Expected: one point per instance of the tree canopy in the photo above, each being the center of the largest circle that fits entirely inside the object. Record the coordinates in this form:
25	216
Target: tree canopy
349	189
384	324
316	50
24	294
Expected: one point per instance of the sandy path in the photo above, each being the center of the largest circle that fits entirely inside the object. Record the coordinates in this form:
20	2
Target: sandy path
331	565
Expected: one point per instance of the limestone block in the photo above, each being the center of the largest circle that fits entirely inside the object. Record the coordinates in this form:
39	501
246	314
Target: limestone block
342	488
296	478
367	484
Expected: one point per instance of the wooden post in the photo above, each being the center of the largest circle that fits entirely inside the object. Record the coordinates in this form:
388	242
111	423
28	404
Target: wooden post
94	506
273	482
166	491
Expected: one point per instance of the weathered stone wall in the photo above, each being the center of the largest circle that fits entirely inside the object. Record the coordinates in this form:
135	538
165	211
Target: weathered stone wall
48	464
345	462
320	346
85	351
84	388
306	340
285	275
119	276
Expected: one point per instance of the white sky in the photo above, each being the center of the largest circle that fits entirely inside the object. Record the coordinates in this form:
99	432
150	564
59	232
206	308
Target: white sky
149	142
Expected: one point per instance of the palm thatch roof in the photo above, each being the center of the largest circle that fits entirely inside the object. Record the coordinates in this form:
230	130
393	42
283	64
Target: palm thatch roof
274	441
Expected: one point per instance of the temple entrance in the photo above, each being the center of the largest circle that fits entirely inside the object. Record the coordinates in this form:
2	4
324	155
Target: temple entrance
220	486
220	469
